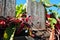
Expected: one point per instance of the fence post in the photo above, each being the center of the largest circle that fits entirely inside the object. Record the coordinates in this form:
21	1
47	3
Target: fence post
1	8
36	10
7	8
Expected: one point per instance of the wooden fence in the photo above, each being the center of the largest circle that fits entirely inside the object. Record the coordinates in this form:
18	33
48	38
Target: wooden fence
7	8
34	9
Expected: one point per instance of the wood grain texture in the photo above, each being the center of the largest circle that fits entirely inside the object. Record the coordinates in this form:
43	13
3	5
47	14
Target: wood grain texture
7	8
36	10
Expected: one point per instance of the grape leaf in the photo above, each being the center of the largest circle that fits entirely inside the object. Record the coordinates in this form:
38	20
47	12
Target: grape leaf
52	22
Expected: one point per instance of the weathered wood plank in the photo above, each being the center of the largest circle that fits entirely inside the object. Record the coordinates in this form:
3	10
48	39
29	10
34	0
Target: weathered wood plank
7	8
42	15
28	7
36	10
0	7
10	8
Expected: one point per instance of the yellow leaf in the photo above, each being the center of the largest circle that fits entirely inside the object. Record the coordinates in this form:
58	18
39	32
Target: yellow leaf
5	35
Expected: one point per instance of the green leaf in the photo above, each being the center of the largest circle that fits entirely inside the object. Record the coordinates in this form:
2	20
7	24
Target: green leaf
9	31
46	3
52	22
7	34
33	0
55	13
55	5
20	9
